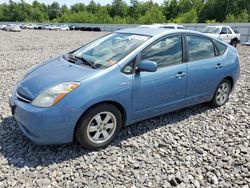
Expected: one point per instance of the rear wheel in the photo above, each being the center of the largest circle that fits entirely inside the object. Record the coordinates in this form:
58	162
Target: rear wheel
99	126
222	93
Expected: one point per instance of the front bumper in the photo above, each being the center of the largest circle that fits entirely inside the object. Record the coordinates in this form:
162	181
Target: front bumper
52	125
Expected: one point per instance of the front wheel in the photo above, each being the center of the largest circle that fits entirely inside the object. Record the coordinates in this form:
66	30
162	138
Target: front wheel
234	43
221	94
99	126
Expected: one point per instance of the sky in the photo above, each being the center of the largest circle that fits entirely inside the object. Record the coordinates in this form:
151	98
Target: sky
70	2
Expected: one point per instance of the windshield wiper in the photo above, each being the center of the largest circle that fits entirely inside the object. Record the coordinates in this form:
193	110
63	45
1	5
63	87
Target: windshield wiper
73	59
92	64
70	58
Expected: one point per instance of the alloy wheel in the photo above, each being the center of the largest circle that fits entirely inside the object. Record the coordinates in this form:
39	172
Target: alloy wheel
101	127
222	93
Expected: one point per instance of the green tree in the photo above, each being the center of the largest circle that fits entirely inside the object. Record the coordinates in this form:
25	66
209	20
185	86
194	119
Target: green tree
181	11
2	16
92	7
171	9
54	11
119	8
78	7
214	10
187	17
155	15
133	12
243	17
185	6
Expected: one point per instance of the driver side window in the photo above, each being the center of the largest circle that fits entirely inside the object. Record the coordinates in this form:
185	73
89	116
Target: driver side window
166	52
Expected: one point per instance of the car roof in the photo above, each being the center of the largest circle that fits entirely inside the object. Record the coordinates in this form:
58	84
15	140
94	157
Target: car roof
153	31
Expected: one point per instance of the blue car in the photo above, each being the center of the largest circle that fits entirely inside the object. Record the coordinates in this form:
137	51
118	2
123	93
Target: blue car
119	79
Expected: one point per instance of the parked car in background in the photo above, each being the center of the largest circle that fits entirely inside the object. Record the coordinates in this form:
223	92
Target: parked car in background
120	79
64	28
72	27
165	26
225	33
3	26
13	28
30	26
54	27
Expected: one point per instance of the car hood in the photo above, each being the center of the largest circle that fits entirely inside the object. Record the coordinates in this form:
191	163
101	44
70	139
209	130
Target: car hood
50	74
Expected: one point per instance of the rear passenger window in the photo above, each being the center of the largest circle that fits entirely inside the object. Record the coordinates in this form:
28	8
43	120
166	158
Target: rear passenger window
229	31
220	47
199	48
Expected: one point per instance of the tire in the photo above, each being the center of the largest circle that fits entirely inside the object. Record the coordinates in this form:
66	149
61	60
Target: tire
234	43
221	94
99	126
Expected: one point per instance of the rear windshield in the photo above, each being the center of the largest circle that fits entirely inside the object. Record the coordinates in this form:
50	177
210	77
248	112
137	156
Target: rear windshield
236	31
168	27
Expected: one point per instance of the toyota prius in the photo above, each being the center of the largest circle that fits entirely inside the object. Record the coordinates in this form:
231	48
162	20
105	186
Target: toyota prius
119	79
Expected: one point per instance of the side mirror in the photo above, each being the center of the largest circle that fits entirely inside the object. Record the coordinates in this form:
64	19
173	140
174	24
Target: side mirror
222	33
147	66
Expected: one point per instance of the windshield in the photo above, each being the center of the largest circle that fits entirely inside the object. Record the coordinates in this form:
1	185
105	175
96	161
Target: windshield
213	30
110	49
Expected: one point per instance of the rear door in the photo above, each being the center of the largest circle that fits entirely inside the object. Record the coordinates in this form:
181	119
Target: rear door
204	68
230	33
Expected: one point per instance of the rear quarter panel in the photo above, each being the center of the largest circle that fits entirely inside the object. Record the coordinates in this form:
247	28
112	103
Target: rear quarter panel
231	64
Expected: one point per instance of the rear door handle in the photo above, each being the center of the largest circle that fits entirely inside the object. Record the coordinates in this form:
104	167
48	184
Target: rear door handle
219	66
180	74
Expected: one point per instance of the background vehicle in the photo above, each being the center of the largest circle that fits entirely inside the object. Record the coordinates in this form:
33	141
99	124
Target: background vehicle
120	79
2	27
54	27
13	28
30	26
64	28
166	26
225	33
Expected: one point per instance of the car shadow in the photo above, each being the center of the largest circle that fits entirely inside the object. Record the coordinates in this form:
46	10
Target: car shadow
20	152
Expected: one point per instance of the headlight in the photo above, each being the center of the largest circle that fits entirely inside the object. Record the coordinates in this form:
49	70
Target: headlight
53	95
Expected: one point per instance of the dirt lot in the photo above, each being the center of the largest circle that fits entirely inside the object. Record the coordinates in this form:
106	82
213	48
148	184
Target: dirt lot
194	147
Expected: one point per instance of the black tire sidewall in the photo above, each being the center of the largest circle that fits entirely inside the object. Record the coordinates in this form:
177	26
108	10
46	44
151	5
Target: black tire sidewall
234	43
214	101
81	131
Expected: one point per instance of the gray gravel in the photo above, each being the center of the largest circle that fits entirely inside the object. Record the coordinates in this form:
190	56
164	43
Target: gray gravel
195	147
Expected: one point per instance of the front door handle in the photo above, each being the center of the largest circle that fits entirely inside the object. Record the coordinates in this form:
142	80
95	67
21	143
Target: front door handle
180	74
219	66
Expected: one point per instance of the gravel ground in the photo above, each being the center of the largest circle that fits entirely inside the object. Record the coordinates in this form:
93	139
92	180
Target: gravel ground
195	147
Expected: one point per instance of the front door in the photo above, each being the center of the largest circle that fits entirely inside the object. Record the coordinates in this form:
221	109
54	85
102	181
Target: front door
163	90
224	35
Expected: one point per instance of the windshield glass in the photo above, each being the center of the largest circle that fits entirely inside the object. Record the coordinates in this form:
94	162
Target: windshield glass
213	30
110	49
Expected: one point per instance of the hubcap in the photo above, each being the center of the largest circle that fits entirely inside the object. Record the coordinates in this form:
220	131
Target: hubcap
101	127
222	93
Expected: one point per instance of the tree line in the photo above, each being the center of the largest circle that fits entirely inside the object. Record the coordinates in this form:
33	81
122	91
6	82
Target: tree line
136	12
